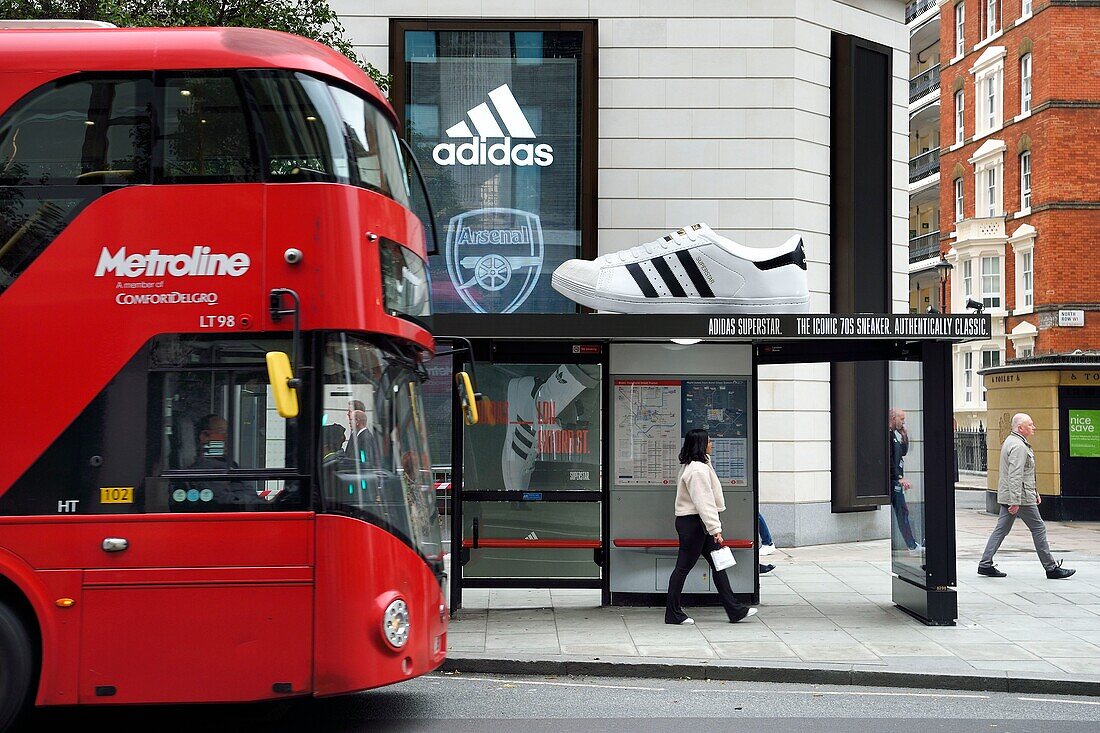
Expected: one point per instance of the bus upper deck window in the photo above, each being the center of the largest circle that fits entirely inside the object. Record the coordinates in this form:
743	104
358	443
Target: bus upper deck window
204	134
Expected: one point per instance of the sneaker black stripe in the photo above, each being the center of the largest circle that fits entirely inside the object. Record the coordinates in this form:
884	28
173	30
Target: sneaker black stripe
692	269
639	276
669	277
519	451
523	439
525	426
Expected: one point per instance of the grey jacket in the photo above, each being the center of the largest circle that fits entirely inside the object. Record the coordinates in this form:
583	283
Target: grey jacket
1017	482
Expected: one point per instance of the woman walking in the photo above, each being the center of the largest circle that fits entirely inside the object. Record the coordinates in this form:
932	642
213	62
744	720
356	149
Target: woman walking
698	502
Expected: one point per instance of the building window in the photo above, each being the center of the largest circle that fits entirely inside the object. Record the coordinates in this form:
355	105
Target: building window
1025	180
990	358
959	102
959	199
1027	280
960	22
1025	8
1025	83
991	282
968	279
992	17
1024	352
968	376
990	102
991	190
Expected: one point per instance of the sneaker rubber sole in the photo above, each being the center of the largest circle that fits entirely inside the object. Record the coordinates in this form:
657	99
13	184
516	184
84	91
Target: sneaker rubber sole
642	304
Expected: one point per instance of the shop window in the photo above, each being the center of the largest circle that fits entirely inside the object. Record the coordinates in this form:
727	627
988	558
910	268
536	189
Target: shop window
499	119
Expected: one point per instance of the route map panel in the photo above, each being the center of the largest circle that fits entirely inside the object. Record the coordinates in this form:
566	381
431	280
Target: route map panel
652	416
721	406
647	431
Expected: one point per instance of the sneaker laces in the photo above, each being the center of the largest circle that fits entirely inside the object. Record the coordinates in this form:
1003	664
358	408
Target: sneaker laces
659	245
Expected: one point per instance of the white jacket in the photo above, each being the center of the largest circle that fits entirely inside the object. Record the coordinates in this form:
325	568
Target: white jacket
698	491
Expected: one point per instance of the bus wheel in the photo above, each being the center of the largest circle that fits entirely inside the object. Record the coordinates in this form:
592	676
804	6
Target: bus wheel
16	667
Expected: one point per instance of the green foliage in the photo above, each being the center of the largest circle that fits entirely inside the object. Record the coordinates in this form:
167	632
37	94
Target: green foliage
309	18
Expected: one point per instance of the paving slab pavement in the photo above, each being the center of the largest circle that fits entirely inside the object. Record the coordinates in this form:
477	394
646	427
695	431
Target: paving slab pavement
825	616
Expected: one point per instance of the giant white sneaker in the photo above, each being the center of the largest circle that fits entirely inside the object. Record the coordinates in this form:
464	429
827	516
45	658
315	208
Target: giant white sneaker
691	270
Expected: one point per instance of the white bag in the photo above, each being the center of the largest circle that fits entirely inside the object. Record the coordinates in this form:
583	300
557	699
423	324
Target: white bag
722	558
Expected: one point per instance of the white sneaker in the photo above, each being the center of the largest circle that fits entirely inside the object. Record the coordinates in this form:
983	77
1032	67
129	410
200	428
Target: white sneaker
691	270
751	613
766	550
687	621
916	551
517	461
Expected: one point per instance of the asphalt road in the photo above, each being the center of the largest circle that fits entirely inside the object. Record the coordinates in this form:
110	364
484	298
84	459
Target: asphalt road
461	703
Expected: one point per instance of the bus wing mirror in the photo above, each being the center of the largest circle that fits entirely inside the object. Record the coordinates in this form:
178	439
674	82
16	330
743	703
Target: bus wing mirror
283	384
467	397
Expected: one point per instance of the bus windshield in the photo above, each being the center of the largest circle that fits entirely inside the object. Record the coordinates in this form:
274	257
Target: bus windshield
374	443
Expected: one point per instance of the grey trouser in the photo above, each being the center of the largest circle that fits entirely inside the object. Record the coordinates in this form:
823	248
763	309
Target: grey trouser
1034	522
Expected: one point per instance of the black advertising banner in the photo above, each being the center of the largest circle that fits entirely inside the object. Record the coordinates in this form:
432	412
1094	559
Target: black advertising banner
494	118
742	328
861	326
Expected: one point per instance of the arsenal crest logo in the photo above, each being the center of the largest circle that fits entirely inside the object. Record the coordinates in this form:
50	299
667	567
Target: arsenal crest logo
494	258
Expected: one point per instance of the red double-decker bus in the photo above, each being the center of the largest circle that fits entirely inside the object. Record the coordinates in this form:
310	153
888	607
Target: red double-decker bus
180	209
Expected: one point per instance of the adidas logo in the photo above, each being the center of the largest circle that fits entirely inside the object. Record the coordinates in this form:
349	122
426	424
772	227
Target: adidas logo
487	127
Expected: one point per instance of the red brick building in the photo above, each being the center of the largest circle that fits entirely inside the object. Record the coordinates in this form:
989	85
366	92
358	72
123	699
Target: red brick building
1019	180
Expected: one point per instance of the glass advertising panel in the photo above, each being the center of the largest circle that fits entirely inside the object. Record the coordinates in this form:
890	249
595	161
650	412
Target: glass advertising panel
905	433
495	117
539	429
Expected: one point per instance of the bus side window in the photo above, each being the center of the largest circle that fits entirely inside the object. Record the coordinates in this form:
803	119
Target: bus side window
203	134
61	146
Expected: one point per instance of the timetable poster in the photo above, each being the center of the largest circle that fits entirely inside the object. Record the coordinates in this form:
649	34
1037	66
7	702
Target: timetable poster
720	406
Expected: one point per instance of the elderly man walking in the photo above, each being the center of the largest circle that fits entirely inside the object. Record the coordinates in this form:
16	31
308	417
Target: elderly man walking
1018	497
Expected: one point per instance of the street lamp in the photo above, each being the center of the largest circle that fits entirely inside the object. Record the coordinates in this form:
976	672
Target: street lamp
943	267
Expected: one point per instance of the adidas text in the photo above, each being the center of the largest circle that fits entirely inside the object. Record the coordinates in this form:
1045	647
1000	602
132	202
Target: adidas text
479	152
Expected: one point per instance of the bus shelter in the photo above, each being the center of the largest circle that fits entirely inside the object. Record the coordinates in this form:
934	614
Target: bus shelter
568	480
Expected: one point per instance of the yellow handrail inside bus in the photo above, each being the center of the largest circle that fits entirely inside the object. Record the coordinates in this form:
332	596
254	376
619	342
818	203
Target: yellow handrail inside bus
279	374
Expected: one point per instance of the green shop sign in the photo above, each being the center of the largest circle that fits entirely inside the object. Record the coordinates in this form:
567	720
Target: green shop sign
1084	433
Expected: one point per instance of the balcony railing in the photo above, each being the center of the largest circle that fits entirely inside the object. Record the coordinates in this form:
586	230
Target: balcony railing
913	9
924	247
924	165
924	82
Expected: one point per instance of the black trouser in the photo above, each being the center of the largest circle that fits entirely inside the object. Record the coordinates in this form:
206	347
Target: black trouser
694	541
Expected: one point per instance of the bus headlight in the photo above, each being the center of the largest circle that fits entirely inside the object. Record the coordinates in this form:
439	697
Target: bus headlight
395	623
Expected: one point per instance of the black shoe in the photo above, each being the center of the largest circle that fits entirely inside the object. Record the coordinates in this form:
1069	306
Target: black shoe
1058	572
993	572
766	569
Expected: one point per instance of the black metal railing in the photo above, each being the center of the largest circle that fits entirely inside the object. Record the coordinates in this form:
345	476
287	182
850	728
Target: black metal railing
924	82
970	449
924	246
913	9
924	164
